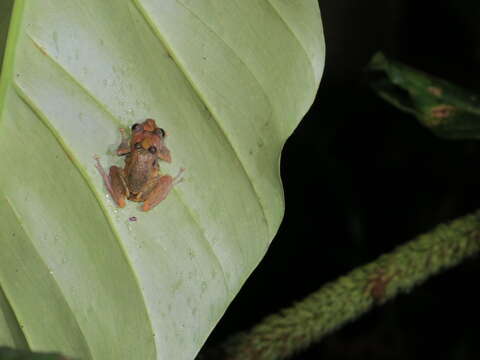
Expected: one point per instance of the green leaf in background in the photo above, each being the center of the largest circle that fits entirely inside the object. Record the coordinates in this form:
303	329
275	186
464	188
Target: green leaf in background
448	110
229	81
11	354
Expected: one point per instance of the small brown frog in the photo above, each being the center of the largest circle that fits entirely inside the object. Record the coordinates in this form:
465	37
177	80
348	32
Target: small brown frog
140	180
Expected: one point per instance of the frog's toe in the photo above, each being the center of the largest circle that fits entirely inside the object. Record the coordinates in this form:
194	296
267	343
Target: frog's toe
121	202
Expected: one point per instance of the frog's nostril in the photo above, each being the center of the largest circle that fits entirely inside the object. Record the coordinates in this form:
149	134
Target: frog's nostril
138	146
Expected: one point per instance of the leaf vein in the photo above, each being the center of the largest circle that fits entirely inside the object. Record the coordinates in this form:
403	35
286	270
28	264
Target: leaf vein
77	165
19	329
289	28
17	216
155	31
29	102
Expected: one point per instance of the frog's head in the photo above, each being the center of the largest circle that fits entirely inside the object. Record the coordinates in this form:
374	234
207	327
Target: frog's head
149	137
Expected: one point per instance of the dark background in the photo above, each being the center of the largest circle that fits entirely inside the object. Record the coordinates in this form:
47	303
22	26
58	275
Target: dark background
361	177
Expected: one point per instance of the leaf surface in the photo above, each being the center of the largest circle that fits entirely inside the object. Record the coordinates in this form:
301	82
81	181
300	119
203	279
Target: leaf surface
228	80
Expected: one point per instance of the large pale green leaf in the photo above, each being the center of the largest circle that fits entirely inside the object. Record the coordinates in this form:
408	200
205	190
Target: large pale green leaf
229	80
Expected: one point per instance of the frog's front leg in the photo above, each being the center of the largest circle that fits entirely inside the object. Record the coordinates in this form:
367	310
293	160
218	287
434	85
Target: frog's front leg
161	188
124	147
115	183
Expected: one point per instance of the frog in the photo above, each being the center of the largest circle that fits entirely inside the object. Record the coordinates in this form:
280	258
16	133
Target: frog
140	179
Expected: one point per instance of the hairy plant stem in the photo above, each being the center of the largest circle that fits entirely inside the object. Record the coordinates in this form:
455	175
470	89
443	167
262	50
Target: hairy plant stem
281	335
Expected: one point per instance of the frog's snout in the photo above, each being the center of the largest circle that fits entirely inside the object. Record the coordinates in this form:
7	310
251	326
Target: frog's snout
146	143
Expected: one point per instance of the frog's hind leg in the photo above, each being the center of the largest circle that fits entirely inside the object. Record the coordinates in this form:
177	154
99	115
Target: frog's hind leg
162	187
115	182
119	189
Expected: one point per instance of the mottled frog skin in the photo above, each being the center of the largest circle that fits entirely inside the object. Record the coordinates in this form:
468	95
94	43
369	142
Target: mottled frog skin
140	179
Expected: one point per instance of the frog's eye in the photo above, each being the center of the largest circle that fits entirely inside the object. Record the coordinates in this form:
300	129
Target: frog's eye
152	149
138	145
135	127
160	132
